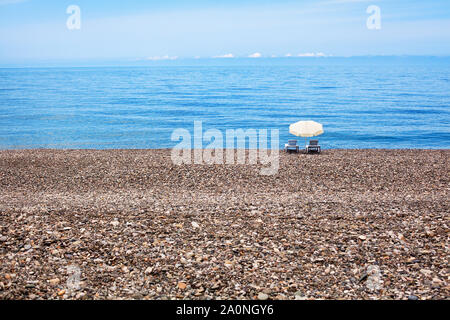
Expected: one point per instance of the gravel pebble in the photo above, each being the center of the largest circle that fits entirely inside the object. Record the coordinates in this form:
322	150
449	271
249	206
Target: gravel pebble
262	296
129	224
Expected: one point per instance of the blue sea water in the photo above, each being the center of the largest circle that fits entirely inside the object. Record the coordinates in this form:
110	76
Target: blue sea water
362	103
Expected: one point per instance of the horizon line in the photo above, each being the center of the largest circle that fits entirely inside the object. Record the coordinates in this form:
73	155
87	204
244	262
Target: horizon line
127	62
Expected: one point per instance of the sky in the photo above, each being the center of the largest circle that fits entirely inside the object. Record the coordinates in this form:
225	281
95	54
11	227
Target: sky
32	31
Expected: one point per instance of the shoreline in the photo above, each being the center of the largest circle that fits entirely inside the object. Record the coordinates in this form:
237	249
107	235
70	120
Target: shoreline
169	149
139	227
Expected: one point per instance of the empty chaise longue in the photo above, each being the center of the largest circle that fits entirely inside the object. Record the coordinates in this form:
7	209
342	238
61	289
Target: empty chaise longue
313	146
291	146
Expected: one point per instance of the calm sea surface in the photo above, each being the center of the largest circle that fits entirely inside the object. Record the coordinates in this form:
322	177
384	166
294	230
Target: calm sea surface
399	103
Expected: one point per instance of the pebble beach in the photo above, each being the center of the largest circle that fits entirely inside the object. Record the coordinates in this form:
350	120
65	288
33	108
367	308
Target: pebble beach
345	224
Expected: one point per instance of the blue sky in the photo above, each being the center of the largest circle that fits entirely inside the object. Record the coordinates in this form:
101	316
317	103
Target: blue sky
35	30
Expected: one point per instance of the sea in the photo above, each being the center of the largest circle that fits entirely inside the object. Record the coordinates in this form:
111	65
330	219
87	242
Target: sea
365	102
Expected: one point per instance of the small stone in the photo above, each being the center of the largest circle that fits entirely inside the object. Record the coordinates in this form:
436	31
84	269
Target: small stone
115	223
215	286
412	260
182	285
363	277
263	296
148	270
61	292
195	224
437	281
430	233
426	272
80	295
413	297
54	281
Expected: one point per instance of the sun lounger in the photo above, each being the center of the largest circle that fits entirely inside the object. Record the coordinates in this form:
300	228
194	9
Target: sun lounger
291	146
313	146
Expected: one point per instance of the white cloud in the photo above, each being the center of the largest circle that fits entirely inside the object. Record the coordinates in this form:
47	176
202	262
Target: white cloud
255	55
158	58
306	55
228	55
311	54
